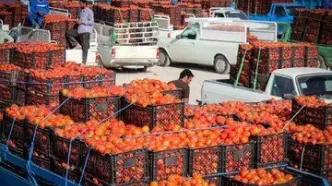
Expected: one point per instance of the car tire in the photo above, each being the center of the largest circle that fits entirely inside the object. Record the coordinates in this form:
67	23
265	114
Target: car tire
321	62
164	59
144	69
221	64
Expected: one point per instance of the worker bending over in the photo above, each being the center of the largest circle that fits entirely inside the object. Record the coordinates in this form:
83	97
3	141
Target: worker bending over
38	10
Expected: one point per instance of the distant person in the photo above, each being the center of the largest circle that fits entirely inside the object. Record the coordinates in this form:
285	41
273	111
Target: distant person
37	11
183	82
83	32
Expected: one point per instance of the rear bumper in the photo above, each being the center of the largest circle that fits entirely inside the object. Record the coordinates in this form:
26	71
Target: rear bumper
132	62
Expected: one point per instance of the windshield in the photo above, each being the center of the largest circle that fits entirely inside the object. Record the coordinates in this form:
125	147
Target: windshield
316	85
237	14
291	10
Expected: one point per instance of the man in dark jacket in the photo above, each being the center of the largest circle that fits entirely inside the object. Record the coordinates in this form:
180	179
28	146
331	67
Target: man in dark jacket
183	82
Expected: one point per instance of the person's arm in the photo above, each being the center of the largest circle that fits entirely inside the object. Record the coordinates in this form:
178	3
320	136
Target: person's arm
186	92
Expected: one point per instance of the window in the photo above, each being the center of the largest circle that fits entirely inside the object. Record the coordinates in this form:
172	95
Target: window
190	32
219	15
282	86
317	85
237	14
280	11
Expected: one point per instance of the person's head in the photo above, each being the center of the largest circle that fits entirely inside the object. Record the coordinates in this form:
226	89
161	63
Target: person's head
84	3
186	76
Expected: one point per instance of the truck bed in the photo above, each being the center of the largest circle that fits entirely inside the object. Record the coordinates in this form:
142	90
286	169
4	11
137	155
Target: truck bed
216	91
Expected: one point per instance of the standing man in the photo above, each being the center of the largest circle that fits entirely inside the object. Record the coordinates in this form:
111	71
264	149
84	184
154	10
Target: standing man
183	82
37	11
83	32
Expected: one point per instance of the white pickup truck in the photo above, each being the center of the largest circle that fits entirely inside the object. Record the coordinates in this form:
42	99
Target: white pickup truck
128	44
227	12
211	41
282	83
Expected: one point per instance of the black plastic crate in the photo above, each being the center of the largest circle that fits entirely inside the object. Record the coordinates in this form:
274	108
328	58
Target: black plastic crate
42	161
42	143
151	115
176	93
237	156
85	109
320	117
228	181
315	157
214	179
46	86
41	99
106	80
60	149
261	80
270	150
205	161
168	162
9	77
90	180
59	168
17	138
73	81
6	55
125	168
8	93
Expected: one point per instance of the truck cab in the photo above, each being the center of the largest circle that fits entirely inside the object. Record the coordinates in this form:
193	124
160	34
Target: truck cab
279	12
281	83
228	13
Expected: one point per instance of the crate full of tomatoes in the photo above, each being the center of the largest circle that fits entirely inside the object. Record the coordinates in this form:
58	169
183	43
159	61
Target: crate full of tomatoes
278	176
312	110
242	67
39	55
97	76
6	52
152	109
270	148
310	148
96	103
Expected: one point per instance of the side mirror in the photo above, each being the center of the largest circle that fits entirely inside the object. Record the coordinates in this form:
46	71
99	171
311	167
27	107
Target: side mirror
178	37
288	96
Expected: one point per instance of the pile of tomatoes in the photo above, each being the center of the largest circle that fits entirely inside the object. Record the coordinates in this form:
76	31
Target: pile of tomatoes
56	18
262	176
80	92
182	181
9	67
310	101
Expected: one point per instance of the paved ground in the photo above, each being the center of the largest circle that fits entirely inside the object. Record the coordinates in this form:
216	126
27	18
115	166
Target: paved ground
163	73
171	73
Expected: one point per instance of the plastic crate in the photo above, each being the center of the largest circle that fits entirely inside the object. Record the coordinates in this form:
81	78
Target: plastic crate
42	161
214	179
315	157
176	93
205	161
228	181
270	150
73	173
320	117
41	99
17	135
125	168
168	162
85	109
42	143
8	93
46	86
90	180
6	55
236	157
153	115
298	63
39	60
313	62
8	77
265	66
71	82
60	150
261	80
107	80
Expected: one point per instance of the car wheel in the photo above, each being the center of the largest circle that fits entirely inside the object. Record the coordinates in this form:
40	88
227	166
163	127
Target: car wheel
221	64
164	59
321	62
144	69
